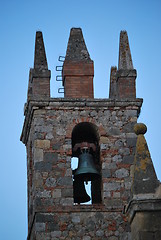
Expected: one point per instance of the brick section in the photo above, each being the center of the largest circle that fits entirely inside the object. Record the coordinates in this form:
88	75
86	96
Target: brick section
78	69
126	85
39	84
122	84
113	89
78	79
122	81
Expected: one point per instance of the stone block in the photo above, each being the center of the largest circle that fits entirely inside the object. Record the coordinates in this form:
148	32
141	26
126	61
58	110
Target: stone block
56	146
68	172
44	129
111	186
116	194
113	131
106	194
114	203
44	166
130	113
44	144
121	173
53	226
104	140
49	136
93	113
117	158
99	233
129	127
66	201
38	155
56	234
128	159
131	142
38	180
87	238
65	181
50	182
119	143
124	151
40	217
106	173
67	192
40	227
50	156
38	121
42	236
38	135
43	194
75	218
103	146
57	193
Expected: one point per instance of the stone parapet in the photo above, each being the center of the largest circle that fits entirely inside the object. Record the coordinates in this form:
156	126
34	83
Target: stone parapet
142	204
75	103
144	215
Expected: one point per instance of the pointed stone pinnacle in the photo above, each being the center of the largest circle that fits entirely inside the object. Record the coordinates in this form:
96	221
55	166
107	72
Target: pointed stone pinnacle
40	61
76	49
125	59
144	176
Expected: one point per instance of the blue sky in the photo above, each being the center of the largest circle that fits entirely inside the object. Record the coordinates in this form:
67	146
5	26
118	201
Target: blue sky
101	22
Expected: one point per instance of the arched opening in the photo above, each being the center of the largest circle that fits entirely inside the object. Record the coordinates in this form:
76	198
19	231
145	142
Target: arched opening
85	148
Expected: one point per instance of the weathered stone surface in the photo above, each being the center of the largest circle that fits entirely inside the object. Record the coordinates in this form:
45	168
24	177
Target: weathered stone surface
44	166
113	131
66	181
76	219
128	159
121	173
50	182
43	194
38	155
40	227
111	186
106	173
131	142
56	234
68	192
144	178
50	156
44	144
44	217
56	193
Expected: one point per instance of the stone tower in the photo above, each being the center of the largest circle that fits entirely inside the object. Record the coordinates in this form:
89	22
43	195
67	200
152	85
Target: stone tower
58	129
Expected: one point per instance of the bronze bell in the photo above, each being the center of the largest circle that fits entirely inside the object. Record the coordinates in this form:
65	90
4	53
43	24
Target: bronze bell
79	192
86	170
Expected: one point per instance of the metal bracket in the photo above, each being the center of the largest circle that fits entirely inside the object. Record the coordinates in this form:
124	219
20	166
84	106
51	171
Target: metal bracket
59	68
60	90
59	78
61	59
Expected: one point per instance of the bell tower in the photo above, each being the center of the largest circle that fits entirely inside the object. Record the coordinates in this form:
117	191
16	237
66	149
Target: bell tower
99	132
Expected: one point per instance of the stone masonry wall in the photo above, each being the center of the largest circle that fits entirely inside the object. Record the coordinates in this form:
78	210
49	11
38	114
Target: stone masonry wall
52	214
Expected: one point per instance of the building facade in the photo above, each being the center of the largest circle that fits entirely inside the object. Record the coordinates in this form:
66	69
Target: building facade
97	132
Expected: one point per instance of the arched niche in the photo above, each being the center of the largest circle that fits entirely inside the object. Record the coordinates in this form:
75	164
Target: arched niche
86	135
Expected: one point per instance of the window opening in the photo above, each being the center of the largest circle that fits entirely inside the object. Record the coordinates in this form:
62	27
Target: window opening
86	172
